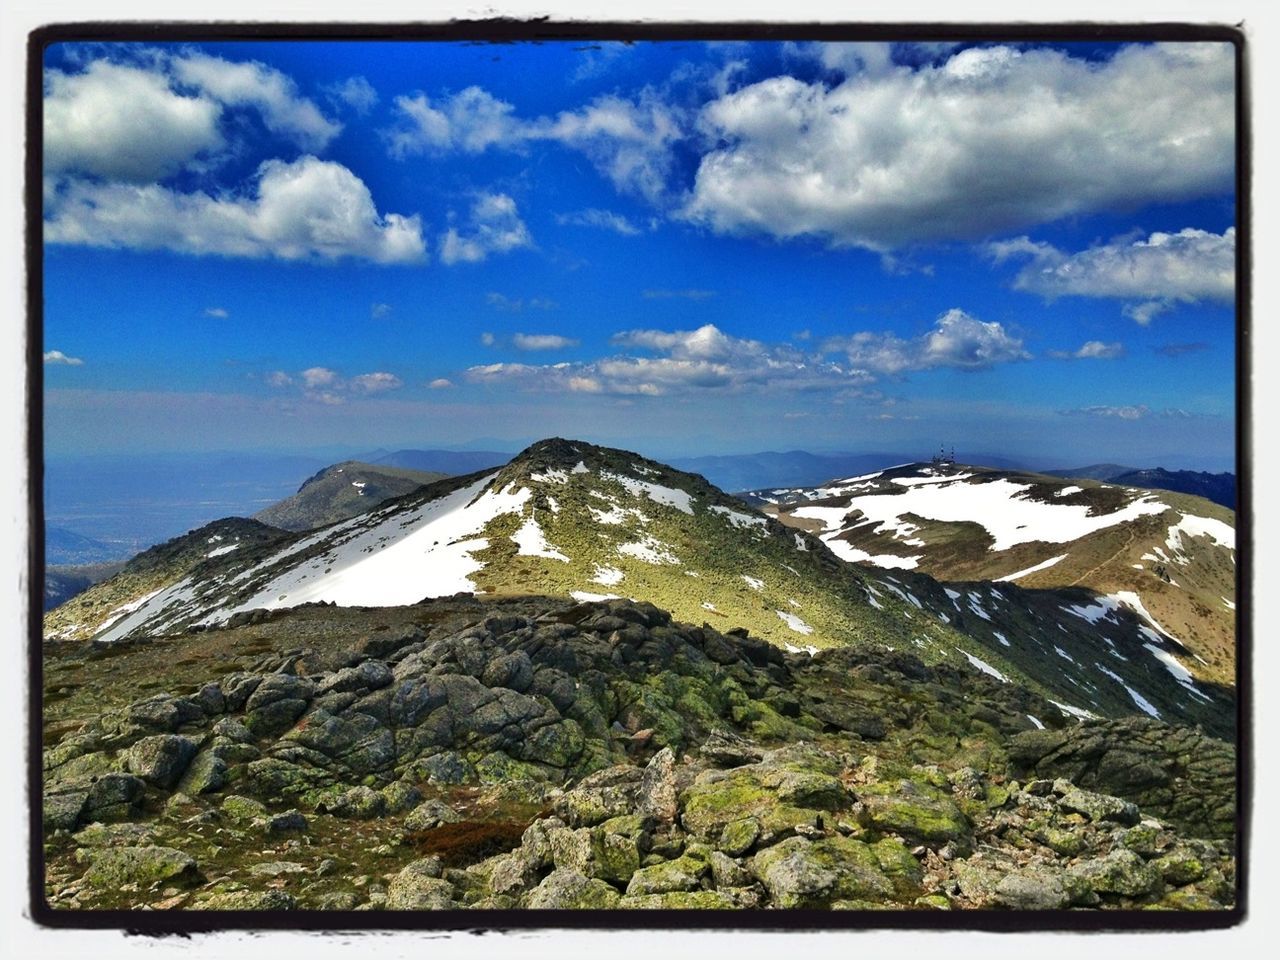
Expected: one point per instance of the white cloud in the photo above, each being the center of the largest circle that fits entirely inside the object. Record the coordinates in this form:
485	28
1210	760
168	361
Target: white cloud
1134	412
380	311
440	383
992	139
318	377
1092	350
957	340
356	92
628	140
542	341
306	209
488	339
495	227
275	96
278	378
1156	271
58	357
377	382
602	219
678	294
124	123
219	313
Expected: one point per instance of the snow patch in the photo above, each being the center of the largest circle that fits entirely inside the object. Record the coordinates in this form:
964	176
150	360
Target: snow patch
753	583
608	576
1039	566
985	667
533	543
222	551
648	549
793	622
668	496
739	519
582	596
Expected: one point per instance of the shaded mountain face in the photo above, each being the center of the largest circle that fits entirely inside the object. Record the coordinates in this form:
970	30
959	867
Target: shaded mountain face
1169	558
1220	488
573	520
340	492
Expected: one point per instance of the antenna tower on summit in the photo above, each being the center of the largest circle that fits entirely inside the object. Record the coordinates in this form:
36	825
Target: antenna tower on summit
944	462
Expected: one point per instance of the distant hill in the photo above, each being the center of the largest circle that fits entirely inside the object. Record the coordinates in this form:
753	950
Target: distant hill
61	583
795	468
342	491
1220	488
63	546
450	462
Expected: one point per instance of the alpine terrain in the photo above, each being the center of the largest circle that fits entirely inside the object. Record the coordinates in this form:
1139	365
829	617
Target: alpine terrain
586	679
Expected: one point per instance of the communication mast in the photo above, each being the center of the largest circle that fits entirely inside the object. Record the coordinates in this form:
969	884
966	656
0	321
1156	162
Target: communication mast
944	462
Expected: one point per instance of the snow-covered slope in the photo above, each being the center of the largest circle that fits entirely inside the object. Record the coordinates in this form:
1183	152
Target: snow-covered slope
1174	552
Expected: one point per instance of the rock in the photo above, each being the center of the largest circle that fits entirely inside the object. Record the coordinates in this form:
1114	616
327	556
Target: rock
369	675
685	873
915	811
569	890
274	718
291	821
206	773
113	796
400	796
1035	887
251	900
512	670
430	814
739	836
274	868
727	872
512	873
1180	866
1120	873
803	873
724	748
1099	807
358	803
718	798
683	900
112	867
243	809
657	793
62	811
420	887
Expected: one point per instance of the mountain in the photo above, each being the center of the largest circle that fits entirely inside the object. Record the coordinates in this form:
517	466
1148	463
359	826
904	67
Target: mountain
451	462
569	519
793	468
535	752
1168	557
342	491
63	546
62	582
1220	488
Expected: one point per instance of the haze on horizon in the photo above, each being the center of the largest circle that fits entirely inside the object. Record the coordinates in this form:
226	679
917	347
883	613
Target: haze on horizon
680	248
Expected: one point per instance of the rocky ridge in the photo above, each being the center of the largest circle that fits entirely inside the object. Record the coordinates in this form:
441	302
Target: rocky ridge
537	753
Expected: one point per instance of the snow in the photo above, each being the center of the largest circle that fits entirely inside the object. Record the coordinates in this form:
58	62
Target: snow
1230	604
427	552
669	496
1222	534
998	505
1101	610
533	543
582	596
794	622
1067	491
801	545
974	606
1076	712
753	583
708	605
1063	654
985	667
579	467
1137	566
551	476
847	551
1142	702
739	519
1000	636
648	549
221	551
920	481
1172	664
953	594
1036	721
554	504
1045	565
792	648
614	516
608	576
1134	602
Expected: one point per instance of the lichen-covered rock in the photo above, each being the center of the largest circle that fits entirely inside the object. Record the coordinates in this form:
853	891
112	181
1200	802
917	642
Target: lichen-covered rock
803	873
1098	807
430	814
419	886
242	808
249	900
913	810
1181	866
1034	887
685	873
657	791
568	890
113	867
358	803
1120	873
681	900
206	773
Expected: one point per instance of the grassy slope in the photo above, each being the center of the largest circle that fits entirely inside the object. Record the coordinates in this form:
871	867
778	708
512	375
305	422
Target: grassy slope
331	495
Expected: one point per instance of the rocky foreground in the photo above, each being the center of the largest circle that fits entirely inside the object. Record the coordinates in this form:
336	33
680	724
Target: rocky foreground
540	754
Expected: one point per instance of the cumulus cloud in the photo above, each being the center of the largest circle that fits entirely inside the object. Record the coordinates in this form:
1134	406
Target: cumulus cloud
58	357
500	301
1092	350
991	139
218	313
600	219
1136	412
278	378
542	341
248	83
440	383
354	92
494	227
318	377
377	382
306	209
628	140
1155	272
146	119
325	385
380	311
957	340
124	123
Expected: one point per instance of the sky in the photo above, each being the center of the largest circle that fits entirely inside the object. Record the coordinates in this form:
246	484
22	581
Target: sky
679	248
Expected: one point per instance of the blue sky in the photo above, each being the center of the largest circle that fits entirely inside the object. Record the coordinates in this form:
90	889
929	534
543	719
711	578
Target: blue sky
678	248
